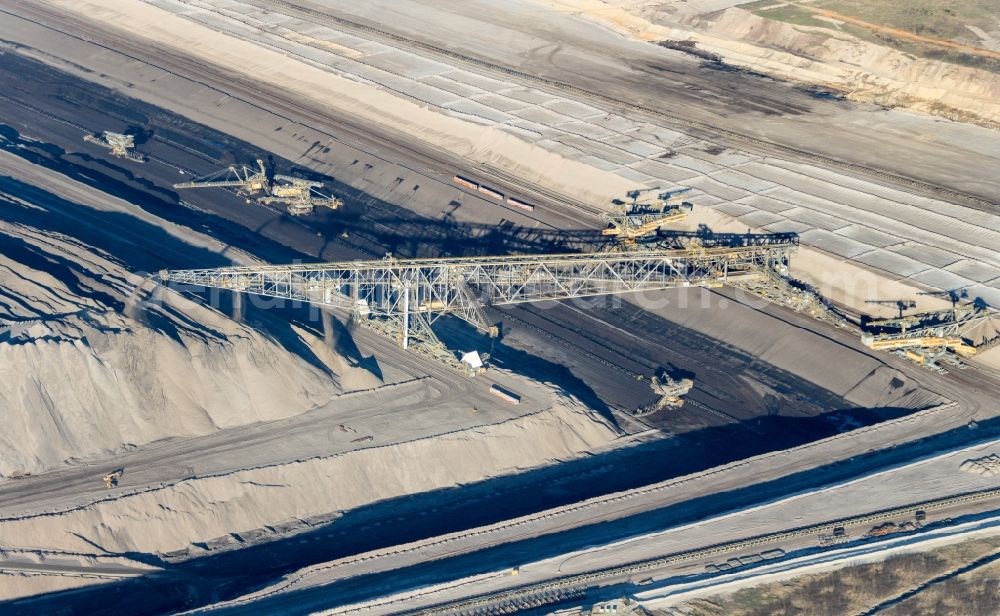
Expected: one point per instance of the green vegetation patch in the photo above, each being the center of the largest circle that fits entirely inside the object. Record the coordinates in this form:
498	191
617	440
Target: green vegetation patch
943	19
760	4
938	19
931	52
958	579
792	14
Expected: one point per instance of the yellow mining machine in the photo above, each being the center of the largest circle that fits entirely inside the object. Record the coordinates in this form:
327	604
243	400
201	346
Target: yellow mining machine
299	195
629	222
886	343
121	146
925	337
670	390
954	319
247	181
112	478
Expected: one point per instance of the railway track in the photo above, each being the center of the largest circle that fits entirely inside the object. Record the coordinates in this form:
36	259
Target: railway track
706	129
291	109
496	603
547	595
576	348
617	366
278	102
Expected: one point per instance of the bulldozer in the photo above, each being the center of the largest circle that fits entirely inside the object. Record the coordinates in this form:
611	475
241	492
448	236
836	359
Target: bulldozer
112	478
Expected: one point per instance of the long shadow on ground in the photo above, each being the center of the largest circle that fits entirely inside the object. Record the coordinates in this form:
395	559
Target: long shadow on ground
225	574
231	573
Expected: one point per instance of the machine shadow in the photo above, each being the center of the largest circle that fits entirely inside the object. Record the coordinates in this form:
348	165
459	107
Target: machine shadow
229	573
372	226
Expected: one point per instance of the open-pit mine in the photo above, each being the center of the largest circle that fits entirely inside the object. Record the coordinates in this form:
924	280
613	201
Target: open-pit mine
415	306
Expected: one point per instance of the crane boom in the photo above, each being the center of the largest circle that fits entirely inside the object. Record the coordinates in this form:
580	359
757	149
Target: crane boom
121	145
246	179
218	184
628	222
926	336
945	318
923	342
294	181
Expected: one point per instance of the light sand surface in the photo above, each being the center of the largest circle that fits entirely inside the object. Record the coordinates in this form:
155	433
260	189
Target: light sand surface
81	379
842	281
932	476
202	509
925	479
876	227
24	573
215	373
461	137
862	70
923	242
863	379
14	585
990	358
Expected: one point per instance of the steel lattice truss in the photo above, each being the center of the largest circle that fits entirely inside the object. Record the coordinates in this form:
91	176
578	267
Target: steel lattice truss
955	321
461	286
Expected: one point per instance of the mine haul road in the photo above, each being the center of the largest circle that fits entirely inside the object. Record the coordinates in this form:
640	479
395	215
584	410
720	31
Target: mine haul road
558	325
437	166
460	578
664	343
711	104
619	75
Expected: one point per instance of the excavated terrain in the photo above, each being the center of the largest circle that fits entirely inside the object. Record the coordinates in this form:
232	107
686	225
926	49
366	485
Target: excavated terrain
259	439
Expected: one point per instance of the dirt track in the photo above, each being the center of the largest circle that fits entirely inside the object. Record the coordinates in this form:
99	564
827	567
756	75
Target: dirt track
741	405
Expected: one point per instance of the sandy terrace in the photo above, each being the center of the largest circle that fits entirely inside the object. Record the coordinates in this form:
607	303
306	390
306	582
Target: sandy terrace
585	152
